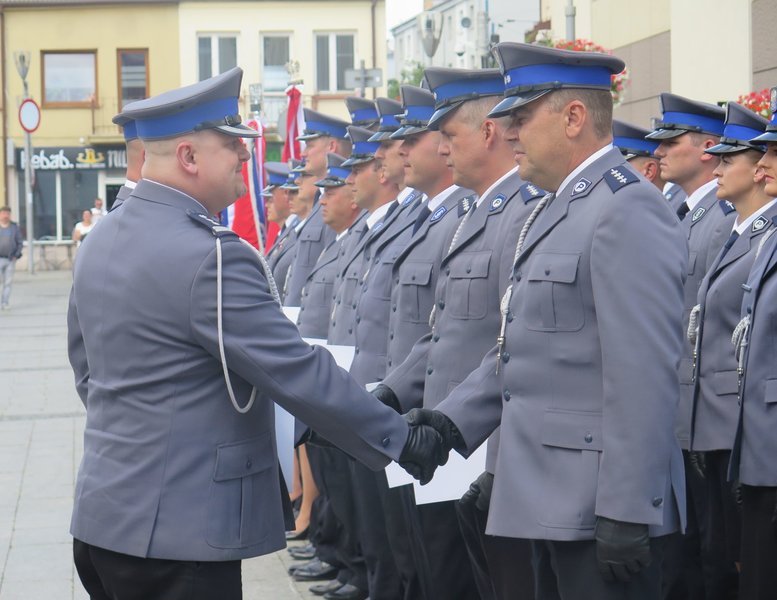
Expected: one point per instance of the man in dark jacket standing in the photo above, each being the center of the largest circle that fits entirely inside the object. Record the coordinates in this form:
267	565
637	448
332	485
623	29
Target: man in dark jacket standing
10	252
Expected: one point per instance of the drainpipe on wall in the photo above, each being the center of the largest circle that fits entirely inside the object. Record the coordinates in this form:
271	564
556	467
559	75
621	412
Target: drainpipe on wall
4	101
374	43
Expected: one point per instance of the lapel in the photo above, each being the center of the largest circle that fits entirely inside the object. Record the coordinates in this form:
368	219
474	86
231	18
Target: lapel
450	204
329	255
492	205
580	187
707	204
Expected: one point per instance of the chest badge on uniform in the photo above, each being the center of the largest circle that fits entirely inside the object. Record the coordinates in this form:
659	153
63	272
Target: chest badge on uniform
698	214
438	214
497	202
581	186
759	224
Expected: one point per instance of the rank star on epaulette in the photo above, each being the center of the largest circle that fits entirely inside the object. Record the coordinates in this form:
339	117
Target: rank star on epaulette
438	214
759	224
698	214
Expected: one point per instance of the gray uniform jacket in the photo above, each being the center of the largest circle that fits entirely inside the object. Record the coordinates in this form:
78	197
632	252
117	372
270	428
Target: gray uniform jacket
310	243
707	227
415	274
715	408
675	196
123	193
349	278
318	293
373	299
170	469
587	387
280	256
755	445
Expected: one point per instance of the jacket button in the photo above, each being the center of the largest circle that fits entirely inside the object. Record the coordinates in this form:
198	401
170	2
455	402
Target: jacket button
389	362
350	329
358	319
447	270
506	395
396	280
385	441
394	308
413	278
657	501
588	438
547	270
249	463
505	357
391	336
469	269
509	317
429	371
356	350
518	276
436	338
441	304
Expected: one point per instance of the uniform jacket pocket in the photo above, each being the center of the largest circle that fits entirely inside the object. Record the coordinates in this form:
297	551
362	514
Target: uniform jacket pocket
413	277
725	382
468	297
552	297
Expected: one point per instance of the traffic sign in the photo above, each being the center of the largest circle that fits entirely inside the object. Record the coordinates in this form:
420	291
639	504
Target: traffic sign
363	78
29	115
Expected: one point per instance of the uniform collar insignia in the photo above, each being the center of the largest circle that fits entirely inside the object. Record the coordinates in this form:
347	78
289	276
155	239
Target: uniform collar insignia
726	207
759	224
497	202
698	214
438	214
530	192
582	185
410	197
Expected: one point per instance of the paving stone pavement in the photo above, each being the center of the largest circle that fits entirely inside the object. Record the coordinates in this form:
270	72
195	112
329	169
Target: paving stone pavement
41	427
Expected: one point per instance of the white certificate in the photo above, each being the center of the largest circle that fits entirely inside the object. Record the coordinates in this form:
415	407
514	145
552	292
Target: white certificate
452	479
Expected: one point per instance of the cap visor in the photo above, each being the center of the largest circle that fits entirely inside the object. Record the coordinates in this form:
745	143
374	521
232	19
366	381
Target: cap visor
436	119
768	136
357	160
327	183
665	134
510	103
726	149
309	136
238	131
407	131
380	136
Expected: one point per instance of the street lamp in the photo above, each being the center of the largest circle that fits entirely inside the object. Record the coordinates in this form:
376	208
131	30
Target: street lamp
22	60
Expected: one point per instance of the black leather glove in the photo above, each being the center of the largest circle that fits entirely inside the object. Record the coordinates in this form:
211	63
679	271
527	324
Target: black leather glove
387	396
451	436
622	549
699	463
479	492
424	451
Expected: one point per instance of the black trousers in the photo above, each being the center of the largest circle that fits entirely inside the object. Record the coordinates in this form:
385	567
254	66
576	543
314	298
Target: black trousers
108	575
758	579
568	571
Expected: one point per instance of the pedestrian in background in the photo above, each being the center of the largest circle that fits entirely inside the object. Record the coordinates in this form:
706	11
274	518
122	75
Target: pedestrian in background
10	251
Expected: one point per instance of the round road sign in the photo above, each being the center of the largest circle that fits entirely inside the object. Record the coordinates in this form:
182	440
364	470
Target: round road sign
29	115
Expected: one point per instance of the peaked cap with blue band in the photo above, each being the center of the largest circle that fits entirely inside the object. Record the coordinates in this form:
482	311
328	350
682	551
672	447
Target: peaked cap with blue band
209	104
418	105
770	135
320	125
681	115
291	179
453	87
388	111
363	111
336	172
630	140
742	125
532	71
128	127
277	175
363	149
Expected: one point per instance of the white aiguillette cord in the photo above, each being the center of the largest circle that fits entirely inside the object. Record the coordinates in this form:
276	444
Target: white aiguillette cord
219	320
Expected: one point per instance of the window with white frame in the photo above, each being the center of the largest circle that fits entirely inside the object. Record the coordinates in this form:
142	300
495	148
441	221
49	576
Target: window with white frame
334	55
216	53
275	57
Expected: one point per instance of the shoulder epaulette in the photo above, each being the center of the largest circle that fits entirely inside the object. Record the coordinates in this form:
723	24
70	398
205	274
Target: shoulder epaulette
530	192
726	207
617	178
209	223
466	203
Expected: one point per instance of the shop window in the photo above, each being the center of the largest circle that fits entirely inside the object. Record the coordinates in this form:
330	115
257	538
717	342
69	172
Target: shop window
69	78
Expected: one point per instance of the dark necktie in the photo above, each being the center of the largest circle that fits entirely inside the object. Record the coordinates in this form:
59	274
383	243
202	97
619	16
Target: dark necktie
729	242
392	207
365	228
423	214
682	210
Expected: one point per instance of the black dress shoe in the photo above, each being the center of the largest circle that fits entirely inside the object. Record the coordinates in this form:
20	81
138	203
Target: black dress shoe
315	570
297	548
294	568
346	592
304	553
320	589
297	535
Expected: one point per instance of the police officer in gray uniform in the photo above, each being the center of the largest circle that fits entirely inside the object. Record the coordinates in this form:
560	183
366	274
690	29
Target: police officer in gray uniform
752	458
322	134
583	376
688	128
363	111
639	152
135	157
715	411
340	212
474	268
179	479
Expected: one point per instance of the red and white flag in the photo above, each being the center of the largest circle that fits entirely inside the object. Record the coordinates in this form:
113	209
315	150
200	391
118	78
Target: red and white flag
295	122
